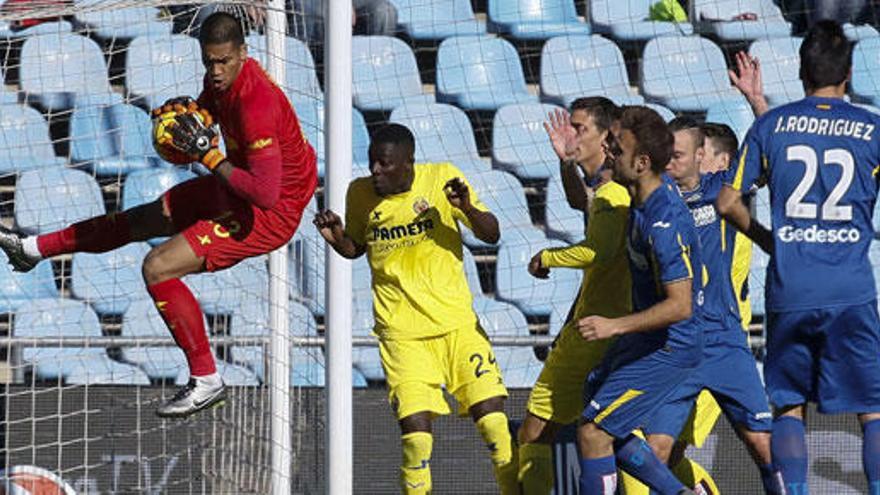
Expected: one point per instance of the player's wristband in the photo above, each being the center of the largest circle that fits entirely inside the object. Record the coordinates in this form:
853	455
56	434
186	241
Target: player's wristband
212	158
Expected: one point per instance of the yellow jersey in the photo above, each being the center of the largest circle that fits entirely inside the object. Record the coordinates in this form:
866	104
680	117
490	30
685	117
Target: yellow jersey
413	244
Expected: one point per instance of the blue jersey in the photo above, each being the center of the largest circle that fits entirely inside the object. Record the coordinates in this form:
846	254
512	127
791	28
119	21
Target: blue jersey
720	308
663	247
819	157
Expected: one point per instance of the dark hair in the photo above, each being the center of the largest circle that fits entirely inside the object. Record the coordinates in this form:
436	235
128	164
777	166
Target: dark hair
219	28
723	137
689	124
826	56
653	137
603	110
396	134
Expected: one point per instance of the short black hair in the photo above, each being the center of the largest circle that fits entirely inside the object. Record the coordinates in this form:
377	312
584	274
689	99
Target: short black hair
722	136
653	137
396	134
221	27
826	56
603	110
685	123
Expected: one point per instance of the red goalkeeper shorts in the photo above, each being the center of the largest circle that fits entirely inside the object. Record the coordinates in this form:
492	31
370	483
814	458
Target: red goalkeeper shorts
225	229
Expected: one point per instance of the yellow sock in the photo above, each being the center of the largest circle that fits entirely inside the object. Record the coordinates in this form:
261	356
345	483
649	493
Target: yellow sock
632	486
415	473
692	474
493	428
536	468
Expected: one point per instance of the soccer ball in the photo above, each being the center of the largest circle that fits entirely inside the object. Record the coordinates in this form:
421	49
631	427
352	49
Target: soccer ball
32	480
162	124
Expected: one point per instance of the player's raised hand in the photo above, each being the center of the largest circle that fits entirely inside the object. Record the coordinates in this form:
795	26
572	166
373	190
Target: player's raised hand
329	225
458	194
562	134
596	328
747	76
536	269
191	136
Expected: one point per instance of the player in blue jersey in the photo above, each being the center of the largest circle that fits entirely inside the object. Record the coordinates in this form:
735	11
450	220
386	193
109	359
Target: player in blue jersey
819	156
657	346
728	369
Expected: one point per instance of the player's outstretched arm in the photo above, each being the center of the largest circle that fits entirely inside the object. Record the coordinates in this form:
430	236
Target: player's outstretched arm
676	307
483	223
747	79
330	226
731	207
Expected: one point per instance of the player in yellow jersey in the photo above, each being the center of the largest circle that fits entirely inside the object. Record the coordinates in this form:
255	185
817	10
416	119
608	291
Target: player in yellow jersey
406	218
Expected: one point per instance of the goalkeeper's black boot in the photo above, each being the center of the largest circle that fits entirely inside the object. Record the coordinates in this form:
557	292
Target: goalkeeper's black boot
11	244
196	395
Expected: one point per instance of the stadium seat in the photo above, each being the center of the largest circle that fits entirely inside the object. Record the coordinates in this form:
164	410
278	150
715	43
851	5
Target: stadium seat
300	77
533	296
50	199
310	113
222	292
55	67
780	68
385	74
302	324
664	112
144	186
866	71
443	133
535	19
735	113
307	367
562	221
627	20
480	73
42	29
519	366
125	22
757	279
519	142
687	74
310	272
365	359
498	318
24	140
8	97
576	66
762	206
504	196
437	19
471	273
860	32
142	320
162	67
713	17
232	375
110	281
111	139
68	318
17	288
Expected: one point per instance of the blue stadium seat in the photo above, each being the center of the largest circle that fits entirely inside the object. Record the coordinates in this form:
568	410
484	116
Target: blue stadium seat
69	318
780	68
687	74
472	273
627	20
480	73
24	140
300	77
160	363
504	196
55	67
519	142
437	19
664	112
110	281
534	297
443	133
713	18
111	139
307	367
310	113
385	74
735	113
535	19
558	314
499	318
365	359
310	262
162	67
42	29
222	292
519	366
762	206
17	288
232	375
145	186
302	323
125	22
866	71
8	97
50	199
576	66
562	220
757	279
860	32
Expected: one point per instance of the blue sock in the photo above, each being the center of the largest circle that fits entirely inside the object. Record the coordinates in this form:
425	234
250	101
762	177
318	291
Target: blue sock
598	476
635	457
788	447
871	455
771	480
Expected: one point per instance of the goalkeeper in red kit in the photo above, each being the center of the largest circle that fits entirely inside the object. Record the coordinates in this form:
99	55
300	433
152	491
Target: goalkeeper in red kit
249	205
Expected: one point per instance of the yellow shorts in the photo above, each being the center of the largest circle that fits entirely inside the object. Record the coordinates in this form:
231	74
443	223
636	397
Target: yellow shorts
558	395
703	417
417	370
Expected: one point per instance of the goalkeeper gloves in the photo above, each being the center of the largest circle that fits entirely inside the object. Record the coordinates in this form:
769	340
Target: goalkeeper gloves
192	132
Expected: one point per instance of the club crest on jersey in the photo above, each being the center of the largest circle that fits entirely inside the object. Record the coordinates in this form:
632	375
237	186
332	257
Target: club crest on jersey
421	205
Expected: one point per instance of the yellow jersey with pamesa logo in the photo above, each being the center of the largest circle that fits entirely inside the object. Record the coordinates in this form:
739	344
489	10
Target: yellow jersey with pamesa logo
413	244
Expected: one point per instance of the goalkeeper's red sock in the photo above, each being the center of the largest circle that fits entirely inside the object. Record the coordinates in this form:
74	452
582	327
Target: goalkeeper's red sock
182	314
95	235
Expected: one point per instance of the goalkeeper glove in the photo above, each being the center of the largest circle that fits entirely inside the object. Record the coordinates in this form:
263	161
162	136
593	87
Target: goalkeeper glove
196	138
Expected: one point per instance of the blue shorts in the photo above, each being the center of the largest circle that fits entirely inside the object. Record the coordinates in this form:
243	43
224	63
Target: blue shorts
621	394
830	356
728	371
